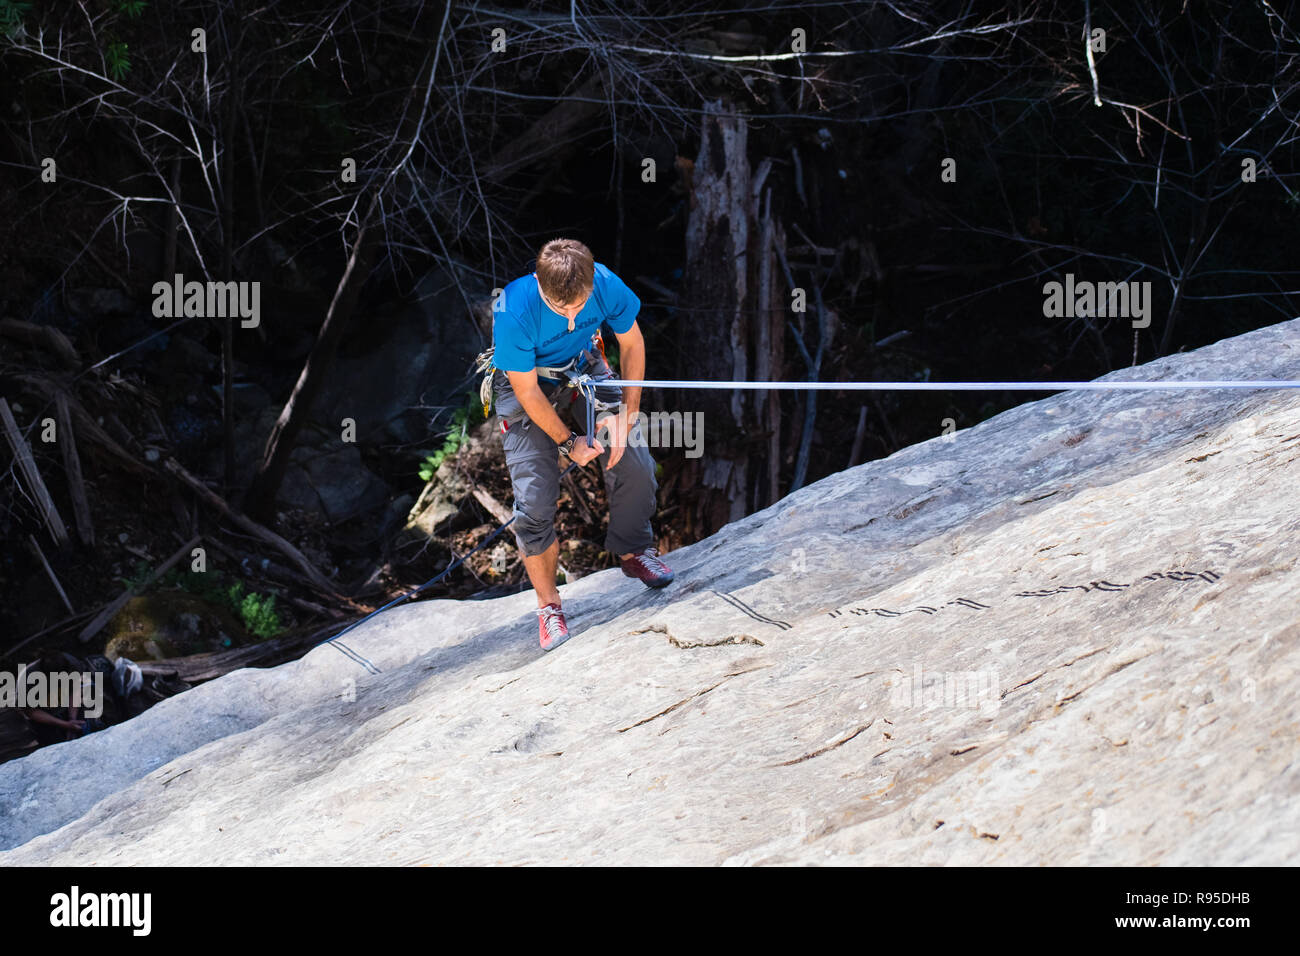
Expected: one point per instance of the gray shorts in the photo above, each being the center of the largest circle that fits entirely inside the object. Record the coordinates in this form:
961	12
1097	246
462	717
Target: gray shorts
533	460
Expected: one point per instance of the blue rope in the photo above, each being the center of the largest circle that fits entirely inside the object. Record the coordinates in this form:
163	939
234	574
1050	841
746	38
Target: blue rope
349	652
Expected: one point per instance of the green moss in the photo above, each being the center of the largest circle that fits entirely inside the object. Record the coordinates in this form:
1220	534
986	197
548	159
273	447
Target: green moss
255	610
171	624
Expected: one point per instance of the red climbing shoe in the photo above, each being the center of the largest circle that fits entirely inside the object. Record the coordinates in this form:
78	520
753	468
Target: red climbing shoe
646	566
553	630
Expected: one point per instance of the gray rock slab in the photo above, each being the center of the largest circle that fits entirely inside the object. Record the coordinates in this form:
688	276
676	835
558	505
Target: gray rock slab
1068	635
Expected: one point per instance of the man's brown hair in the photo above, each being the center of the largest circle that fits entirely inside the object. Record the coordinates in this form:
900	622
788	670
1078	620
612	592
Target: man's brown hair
565	271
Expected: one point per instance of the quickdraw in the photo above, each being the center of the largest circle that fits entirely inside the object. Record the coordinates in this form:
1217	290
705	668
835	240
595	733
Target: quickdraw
483	363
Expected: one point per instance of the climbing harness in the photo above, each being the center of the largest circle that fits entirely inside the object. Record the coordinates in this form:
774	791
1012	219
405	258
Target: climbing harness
588	373
484	364
591	378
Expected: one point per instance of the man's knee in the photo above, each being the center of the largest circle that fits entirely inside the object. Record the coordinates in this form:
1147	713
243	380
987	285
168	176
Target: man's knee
534	533
635	471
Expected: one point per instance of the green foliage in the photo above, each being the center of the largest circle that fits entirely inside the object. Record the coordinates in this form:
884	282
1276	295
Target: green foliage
133	9
257	611
140	571
117	61
475	410
11	15
461	422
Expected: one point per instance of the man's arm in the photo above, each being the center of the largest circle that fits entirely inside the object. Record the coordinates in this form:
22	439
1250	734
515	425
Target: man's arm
631	364
536	405
38	716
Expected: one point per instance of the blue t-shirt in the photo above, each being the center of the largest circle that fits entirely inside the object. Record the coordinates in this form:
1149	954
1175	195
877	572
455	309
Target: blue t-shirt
526	333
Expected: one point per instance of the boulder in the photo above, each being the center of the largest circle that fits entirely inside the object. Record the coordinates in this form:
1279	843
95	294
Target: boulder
332	479
325	474
1067	635
399	363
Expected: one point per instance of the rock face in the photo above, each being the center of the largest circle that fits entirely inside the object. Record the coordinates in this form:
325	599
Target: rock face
396	370
412	363
1068	635
325	474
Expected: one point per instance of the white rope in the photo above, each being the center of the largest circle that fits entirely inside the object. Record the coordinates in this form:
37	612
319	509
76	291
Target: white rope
957	386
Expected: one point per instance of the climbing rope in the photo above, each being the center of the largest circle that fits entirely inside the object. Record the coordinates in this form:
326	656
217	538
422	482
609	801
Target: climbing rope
586	385
956	386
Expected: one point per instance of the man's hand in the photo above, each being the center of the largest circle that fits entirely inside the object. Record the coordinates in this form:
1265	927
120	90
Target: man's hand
619	426
582	454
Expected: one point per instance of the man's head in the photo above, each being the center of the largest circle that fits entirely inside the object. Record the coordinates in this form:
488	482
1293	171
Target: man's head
565	275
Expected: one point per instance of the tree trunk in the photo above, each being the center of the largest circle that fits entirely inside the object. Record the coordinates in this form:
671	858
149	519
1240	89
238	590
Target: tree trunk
228	275
733	330
259	503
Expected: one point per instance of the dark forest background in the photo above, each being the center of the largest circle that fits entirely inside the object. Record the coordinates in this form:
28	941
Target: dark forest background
792	146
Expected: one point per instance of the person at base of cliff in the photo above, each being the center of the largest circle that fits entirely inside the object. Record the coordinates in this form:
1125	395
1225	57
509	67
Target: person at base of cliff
541	322
46	724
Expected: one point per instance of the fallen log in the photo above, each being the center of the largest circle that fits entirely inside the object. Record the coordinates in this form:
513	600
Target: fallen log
252	527
42	336
495	508
56	626
72	467
196	668
555	130
314	608
49	389
49	571
32	475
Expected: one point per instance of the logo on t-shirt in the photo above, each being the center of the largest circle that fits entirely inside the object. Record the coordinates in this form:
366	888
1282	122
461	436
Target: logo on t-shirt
576	328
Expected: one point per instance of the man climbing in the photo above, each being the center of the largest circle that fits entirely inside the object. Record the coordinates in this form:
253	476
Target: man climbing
542	323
